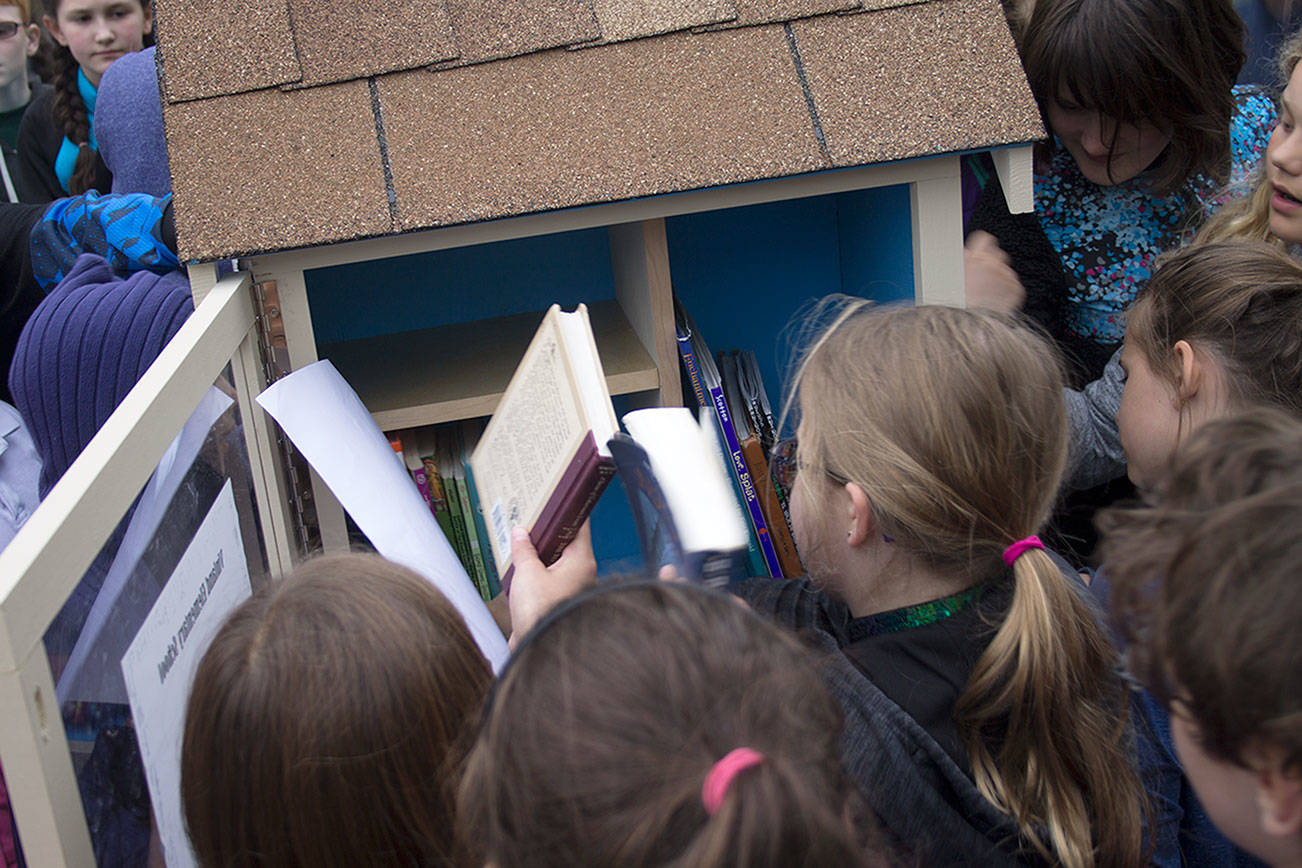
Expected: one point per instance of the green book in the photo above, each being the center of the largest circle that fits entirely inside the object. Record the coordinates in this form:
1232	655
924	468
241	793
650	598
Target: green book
425	449
461	541
470	431
476	566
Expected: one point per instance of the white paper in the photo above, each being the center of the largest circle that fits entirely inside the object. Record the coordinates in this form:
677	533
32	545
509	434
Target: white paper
209	581
328	423
92	673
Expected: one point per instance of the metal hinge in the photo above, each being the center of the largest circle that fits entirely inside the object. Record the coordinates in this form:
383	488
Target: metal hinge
275	364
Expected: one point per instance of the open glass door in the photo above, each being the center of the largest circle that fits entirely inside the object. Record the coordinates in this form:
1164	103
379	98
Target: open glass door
110	591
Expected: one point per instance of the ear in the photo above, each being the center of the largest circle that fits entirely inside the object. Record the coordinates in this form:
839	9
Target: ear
148	9
33	34
1279	801
52	25
860	515
1189	371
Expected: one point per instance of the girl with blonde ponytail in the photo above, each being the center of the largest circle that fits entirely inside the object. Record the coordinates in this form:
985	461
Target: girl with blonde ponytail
987	723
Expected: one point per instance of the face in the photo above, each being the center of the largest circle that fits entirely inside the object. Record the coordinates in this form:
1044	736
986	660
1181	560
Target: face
1228	792
1091	138
1148	420
98	32
1284	164
16	47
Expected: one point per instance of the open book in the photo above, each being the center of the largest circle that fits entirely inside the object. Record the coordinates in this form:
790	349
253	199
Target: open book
543	460
687	515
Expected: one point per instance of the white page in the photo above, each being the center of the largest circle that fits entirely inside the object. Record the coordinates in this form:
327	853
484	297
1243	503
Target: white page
209	581
93	673
328	423
692	477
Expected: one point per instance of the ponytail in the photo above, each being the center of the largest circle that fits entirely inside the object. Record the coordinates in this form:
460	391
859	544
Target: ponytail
70	112
952	423
1047	692
770	812
612	739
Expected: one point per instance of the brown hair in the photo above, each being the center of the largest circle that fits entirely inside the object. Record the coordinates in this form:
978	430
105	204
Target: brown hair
70	110
610	715
1241	303
1169	62
952	423
329	720
1205	582
1247	218
24	10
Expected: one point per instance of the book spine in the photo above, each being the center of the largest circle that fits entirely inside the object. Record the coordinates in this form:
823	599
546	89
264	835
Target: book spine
693	371
422	485
481	527
571	503
438	498
783	542
476	565
758	562
747	485
462	543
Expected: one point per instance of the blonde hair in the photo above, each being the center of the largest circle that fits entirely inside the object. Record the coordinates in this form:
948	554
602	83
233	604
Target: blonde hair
952	422
1247	218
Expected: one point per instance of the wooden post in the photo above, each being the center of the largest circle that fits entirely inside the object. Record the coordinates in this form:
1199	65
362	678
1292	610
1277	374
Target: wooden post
639	254
937	206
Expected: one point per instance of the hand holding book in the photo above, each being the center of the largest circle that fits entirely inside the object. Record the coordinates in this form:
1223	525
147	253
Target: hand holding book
536	587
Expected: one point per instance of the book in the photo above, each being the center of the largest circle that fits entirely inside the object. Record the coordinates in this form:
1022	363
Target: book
704	378
762	421
411	459
476	565
543	460
680	495
449	462
470	431
426	449
756	457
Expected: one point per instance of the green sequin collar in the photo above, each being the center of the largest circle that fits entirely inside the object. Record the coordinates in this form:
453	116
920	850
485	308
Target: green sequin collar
918	615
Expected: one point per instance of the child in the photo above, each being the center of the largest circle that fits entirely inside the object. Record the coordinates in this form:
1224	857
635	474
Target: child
1267	214
329	720
1215	331
1219	327
980	684
1205	580
56	143
19	39
1146	125
659	724
1271	212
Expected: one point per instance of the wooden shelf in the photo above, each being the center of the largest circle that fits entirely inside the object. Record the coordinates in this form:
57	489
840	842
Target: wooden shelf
459	371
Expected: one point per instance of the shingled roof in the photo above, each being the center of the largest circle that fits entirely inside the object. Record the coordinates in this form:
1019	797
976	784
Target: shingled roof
295	123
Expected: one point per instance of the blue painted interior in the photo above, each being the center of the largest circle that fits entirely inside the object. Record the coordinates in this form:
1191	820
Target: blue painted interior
425	290
744	273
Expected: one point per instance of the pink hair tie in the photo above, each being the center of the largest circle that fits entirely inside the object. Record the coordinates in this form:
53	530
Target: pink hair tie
1014	551
722	773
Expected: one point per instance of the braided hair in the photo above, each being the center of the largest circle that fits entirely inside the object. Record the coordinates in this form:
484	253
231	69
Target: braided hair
70	112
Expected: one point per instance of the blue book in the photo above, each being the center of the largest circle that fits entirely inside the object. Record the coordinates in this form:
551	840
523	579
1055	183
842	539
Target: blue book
707	386
680	495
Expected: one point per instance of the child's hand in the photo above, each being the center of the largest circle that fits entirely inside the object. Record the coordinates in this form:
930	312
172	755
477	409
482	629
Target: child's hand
990	280
535	588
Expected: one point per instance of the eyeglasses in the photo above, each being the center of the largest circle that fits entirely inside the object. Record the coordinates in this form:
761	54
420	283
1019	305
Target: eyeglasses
8	29
784	465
